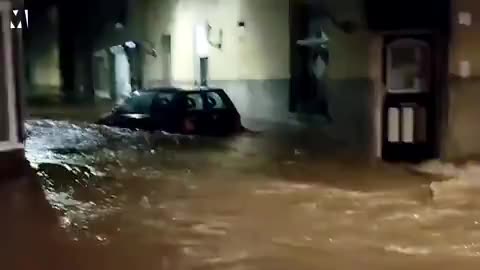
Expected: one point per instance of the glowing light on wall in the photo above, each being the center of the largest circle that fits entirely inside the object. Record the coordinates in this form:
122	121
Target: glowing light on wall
201	41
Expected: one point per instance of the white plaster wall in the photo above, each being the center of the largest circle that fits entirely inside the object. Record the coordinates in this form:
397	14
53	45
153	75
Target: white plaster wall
44	58
45	69
155	18
182	24
265	52
463	130
262	53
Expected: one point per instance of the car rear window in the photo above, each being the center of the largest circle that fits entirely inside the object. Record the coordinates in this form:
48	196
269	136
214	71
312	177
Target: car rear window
216	101
139	102
163	100
195	102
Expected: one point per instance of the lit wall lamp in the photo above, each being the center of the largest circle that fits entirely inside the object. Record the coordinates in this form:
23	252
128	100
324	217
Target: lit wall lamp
119	26
219	42
202	43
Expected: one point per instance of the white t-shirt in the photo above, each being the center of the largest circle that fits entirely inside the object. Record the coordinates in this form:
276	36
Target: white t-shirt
318	67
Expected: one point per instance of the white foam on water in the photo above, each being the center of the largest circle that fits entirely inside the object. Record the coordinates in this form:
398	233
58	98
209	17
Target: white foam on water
462	184
408	250
436	167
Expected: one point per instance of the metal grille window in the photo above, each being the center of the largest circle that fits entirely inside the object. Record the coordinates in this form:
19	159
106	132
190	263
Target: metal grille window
407	124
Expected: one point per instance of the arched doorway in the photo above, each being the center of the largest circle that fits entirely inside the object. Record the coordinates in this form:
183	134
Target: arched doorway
409	113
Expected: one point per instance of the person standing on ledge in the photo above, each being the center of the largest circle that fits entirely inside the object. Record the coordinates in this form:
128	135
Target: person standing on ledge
319	62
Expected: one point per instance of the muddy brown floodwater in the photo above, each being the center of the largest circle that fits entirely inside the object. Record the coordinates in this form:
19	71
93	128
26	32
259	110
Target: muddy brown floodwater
116	200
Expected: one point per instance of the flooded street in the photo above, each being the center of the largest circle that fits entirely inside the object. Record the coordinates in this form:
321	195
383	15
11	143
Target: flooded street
116	199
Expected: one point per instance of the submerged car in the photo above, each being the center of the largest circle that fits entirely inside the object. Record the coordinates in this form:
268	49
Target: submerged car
200	112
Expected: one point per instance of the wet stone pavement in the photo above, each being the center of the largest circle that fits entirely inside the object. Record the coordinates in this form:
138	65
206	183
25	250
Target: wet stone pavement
114	199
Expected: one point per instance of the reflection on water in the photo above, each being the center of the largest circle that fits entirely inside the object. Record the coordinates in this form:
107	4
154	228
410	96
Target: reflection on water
116	199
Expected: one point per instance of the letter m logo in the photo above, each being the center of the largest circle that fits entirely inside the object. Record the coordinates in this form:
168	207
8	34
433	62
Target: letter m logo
19	19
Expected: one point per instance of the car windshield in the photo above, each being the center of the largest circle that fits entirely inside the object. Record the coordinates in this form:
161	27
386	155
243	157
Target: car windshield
139	102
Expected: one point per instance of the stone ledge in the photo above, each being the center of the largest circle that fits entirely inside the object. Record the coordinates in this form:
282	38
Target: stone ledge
13	164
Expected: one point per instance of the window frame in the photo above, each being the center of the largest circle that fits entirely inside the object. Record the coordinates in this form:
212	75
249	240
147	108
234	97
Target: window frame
134	97
407	43
202	99
224	98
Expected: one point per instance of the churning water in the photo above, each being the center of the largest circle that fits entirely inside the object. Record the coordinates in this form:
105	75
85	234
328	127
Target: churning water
117	199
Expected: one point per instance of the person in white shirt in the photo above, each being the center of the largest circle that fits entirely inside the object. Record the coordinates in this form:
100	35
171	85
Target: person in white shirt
319	62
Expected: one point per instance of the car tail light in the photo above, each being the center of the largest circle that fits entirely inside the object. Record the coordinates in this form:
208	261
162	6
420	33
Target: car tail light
188	125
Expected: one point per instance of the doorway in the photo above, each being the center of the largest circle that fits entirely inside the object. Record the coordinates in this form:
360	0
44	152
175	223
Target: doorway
310	59
410	109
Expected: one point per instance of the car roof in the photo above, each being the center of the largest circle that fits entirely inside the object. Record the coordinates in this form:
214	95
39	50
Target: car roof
160	89
176	89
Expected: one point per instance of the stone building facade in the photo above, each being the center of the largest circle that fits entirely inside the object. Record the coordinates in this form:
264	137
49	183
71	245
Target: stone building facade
12	158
